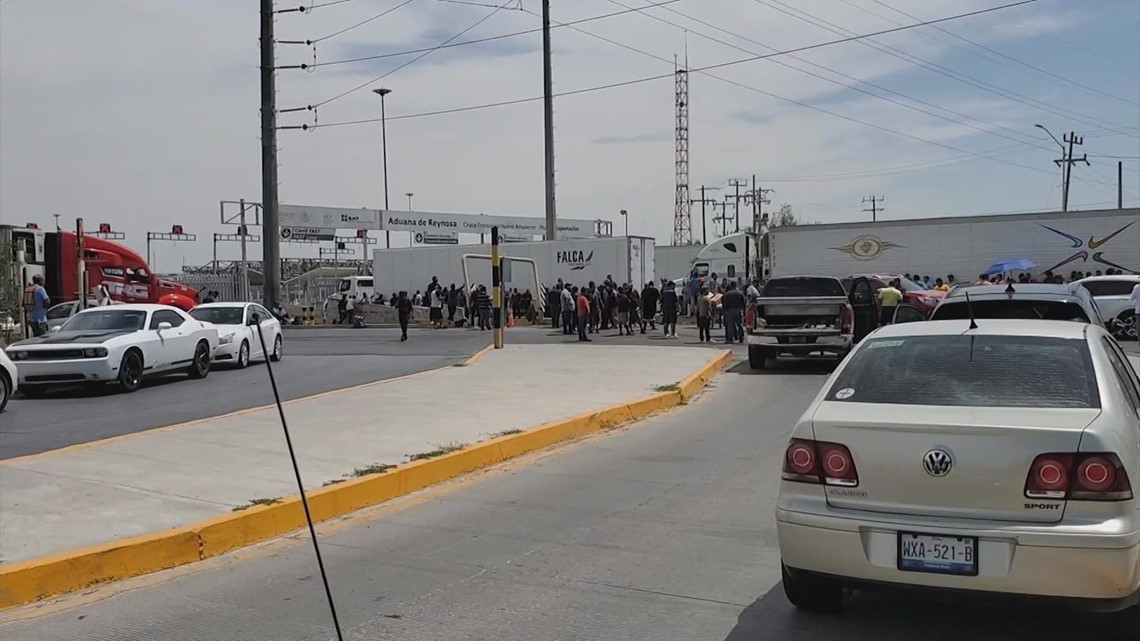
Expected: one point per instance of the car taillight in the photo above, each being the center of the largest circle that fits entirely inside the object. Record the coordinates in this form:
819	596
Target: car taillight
845	319
1094	476
810	461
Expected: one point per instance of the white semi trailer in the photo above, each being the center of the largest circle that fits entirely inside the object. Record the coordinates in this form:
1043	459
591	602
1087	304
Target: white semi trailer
965	246
576	261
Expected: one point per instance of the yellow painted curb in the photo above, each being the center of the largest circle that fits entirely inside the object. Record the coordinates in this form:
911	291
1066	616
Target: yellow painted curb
47	576
474	358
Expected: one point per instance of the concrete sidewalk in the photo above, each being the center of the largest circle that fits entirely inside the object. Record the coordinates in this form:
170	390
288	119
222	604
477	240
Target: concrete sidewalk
175	476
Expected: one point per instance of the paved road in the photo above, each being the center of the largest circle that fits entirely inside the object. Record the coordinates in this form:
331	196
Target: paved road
315	361
660	531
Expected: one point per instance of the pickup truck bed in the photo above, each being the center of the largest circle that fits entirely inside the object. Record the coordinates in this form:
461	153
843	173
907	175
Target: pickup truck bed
800	324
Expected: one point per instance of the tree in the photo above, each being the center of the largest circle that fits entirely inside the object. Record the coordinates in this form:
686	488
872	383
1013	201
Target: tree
784	217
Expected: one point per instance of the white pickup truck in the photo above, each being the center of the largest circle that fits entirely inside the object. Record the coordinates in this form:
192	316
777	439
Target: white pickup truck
800	315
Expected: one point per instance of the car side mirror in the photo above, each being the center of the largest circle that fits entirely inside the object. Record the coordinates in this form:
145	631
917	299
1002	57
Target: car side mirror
164	325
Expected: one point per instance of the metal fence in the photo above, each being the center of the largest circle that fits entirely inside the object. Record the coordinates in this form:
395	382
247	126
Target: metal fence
309	291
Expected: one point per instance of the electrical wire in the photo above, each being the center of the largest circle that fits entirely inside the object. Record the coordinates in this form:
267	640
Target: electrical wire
326	4
1013	59
935	67
644	79
396	54
361	23
817	108
1022	137
406	64
300	484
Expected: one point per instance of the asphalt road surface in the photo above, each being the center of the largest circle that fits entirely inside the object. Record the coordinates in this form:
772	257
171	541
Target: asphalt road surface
316	360
662	530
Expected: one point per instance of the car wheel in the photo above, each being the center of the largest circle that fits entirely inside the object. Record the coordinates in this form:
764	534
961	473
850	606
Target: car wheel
200	366
814	595
278	349
131	371
5	390
243	355
757	358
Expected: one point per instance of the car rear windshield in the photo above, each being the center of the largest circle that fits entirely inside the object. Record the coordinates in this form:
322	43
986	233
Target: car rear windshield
803	286
219	315
1016	308
1110	287
970	370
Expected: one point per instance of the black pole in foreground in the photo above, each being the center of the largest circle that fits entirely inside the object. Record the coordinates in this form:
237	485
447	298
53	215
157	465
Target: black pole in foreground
496	290
300	485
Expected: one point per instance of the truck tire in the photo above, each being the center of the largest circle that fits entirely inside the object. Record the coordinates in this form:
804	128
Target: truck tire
757	357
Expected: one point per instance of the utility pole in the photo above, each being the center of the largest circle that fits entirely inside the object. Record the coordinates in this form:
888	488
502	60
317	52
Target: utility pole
271	247
723	218
704	221
548	122
875	208
1066	163
756	198
737	184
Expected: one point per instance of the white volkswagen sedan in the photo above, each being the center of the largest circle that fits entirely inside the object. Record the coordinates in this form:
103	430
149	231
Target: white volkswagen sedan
115	344
1000	459
238	340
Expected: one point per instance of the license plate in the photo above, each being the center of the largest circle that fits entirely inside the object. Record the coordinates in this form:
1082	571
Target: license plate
798	339
938	554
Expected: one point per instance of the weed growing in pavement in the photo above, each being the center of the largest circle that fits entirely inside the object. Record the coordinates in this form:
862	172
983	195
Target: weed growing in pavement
332	482
671	387
253	502
439	451
375	468
508	432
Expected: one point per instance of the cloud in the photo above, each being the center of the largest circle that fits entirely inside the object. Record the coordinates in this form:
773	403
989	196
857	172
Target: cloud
633	138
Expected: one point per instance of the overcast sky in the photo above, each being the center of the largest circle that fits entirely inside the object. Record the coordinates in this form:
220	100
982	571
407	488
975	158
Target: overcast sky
143	113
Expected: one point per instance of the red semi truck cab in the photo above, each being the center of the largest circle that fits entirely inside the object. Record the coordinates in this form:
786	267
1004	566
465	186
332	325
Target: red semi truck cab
127	277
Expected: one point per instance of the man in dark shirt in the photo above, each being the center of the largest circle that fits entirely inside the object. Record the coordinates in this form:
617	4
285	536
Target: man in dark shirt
649	298
733	303
404	311
669	309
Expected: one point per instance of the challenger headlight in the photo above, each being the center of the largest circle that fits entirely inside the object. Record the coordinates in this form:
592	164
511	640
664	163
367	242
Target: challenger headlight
226	340
95	352
18	356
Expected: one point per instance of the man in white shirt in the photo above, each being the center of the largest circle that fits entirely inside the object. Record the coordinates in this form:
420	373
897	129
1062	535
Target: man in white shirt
1135	298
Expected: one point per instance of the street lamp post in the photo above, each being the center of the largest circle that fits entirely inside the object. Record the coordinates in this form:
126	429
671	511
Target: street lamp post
1065	164
409	195
625	215
384	145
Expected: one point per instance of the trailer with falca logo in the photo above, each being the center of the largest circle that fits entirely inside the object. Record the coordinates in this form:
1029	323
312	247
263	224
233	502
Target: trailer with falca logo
1061	242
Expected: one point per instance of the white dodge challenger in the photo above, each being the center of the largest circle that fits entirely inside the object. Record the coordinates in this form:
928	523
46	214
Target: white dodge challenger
118	344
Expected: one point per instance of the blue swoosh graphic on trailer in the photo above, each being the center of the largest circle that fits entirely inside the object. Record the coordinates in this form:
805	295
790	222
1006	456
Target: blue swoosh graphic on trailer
1077	242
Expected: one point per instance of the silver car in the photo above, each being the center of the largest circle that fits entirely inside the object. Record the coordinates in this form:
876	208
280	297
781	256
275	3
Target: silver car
1113	295
998	459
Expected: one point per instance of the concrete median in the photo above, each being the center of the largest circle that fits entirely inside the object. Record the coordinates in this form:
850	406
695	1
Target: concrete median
182	494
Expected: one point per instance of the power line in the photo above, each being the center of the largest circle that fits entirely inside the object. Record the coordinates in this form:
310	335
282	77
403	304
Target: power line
1021	139
326	4
1013	59
361	23
410	62
935	67
396	54
1070	43
814	107
635	81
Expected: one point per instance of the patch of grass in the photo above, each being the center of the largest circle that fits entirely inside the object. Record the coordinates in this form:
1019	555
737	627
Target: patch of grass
671	387
253	502
438	451
332	482
509	432
375	468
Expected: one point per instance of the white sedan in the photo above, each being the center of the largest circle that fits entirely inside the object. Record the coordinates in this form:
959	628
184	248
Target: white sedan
238	339
1113	295
1000	458
115	344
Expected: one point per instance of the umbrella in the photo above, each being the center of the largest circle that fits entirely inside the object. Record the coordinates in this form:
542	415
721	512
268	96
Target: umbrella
1011	265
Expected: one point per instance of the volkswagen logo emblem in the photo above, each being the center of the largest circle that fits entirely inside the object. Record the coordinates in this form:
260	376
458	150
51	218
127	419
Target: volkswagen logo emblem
937	462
